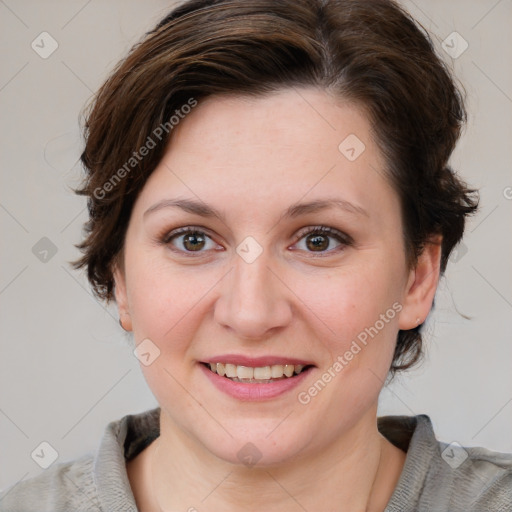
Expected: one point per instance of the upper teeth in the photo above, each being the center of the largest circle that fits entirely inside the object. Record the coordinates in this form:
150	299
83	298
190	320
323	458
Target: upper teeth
275	371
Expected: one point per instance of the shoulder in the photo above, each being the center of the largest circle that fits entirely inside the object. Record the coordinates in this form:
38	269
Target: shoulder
91	483
446	476
483	477
63	487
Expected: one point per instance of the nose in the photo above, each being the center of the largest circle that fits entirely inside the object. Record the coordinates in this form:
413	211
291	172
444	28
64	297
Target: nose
253	301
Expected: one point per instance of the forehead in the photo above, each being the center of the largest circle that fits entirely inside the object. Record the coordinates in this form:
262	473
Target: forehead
270	150
306	124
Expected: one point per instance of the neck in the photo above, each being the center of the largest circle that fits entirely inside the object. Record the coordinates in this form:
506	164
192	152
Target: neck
347	475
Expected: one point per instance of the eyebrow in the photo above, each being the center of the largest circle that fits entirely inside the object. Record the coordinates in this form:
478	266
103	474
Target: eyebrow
204	210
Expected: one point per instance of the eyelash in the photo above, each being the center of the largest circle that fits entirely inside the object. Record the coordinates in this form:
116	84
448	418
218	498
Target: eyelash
344	239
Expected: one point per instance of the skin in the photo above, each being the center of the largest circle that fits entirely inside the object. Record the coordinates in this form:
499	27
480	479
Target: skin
251	159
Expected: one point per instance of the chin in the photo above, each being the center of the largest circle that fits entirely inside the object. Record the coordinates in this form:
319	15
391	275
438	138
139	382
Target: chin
255	447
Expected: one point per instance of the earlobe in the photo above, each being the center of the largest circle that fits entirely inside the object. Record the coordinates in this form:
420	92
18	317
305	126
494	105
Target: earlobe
121	296
421	286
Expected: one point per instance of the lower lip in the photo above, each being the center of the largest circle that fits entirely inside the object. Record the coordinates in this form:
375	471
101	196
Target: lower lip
254	392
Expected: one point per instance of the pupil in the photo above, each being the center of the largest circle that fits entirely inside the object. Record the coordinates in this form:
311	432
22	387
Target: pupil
318	242
193	241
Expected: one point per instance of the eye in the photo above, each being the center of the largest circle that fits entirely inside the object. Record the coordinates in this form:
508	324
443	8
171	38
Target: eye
322	239
189	240
314	239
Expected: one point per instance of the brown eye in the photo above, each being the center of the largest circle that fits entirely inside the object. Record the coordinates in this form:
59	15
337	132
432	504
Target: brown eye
317	242
194	241
190	240
322	239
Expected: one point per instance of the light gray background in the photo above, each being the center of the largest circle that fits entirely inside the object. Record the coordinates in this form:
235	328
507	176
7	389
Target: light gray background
66	368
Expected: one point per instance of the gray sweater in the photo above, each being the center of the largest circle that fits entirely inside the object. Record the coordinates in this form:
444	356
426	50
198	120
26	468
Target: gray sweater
436	477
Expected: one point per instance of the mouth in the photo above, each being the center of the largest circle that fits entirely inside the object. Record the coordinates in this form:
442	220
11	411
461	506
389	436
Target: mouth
256	374
255	378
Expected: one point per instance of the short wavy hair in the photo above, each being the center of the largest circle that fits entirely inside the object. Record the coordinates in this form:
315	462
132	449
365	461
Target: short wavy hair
369	52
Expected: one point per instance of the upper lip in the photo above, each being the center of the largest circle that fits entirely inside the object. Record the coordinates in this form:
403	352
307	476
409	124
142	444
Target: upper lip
257	362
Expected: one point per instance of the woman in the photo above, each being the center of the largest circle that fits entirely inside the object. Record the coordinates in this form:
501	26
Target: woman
271	209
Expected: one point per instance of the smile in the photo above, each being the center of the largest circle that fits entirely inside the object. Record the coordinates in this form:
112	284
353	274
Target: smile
256	379
256	375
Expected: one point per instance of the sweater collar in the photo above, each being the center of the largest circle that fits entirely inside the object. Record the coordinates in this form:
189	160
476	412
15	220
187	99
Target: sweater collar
125	438
415	435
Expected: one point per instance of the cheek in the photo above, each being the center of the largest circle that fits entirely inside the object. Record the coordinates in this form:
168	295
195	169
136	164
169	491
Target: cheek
158	299
350	301
166	308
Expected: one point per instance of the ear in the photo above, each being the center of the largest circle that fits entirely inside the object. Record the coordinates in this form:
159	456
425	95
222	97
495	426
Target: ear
122	297
421	286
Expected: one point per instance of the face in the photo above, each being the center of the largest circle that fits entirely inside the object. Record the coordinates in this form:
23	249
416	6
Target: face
257	243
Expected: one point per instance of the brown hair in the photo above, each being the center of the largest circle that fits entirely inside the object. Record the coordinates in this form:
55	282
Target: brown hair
367	51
